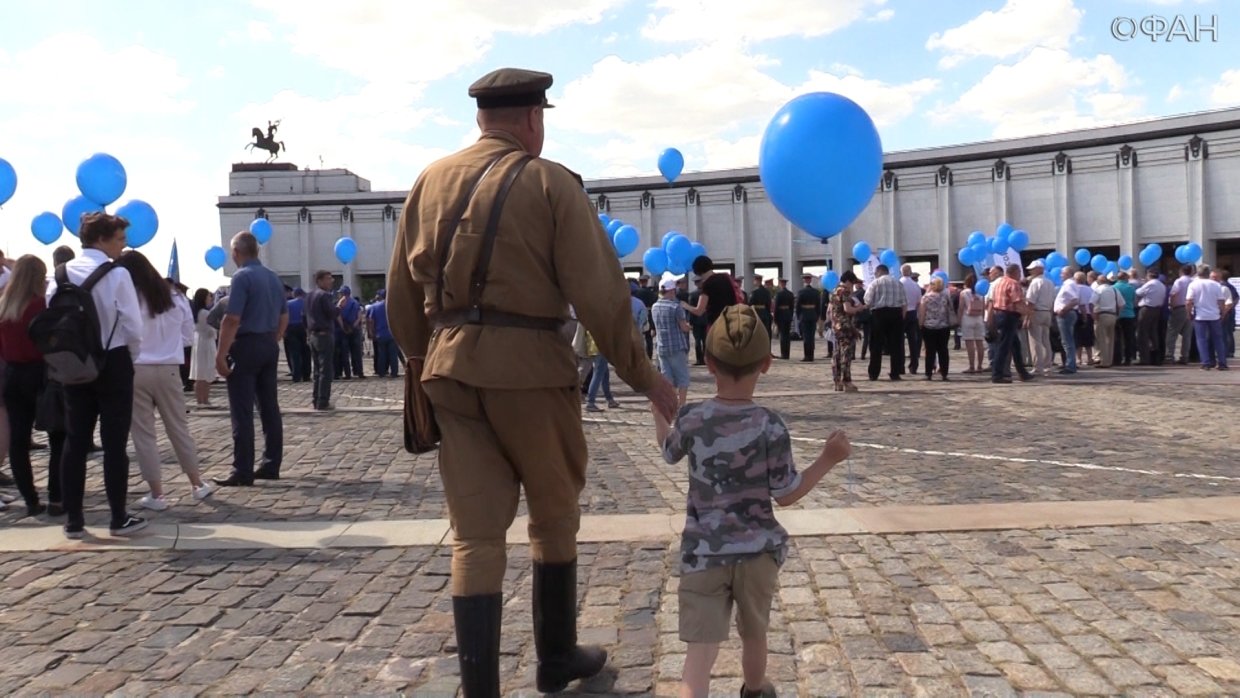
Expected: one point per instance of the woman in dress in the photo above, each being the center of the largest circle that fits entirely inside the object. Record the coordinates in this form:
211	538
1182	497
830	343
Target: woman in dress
202	359
935	316
972	326
844	307
157	382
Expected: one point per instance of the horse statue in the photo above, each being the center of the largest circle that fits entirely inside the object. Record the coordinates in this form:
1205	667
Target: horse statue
267	142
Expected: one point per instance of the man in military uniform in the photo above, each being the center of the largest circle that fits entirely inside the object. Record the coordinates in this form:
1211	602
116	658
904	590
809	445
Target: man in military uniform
648	296
809	305
503	383
760	299
785	309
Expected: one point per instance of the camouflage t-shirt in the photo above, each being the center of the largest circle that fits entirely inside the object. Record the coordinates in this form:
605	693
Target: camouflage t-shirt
740	458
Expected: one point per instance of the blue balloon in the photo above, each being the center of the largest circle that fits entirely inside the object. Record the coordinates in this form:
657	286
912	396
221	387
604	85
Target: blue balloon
676	269
671	163
346	250
73	211
1112	268
215	257
1192	253
1155	249
998	245
101	178
655	260
830	280
262	230
143	223
1056	259
613	225
1146	257
1082	256
1003	230
626	240
1098	263
981	287
8	181
46	227
699	250
668	237
820	162
890	259
1125	261
604	219
861	251
1018	240
680	252
980	250
976	237
1181	254
965	255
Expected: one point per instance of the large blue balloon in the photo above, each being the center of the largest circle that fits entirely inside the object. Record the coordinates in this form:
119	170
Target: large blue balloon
626	240
143	223
604	219
980	250
1146	257
655	260
999	245
1181	254
976	237
101	178
671	163
73	211
261	228
8	181
346	250
1192	253
680	252
1111	268
675	268
862	251
46	227
981	287
1082	256
890	259
1056	259
965	255
1018	240
699	250
1124	261
830	280
1003	230
1098	263
613	225
215	257
820	162
668	237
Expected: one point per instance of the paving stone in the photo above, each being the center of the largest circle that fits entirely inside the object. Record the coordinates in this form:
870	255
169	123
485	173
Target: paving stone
1124	672
988	687
1189	681
1028	677
1219	668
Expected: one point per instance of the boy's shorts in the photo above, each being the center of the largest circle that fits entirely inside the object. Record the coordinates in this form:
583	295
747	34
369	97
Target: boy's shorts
706	599
675	367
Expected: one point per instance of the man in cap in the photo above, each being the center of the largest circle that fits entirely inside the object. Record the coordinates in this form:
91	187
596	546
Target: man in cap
1041	297
760	299
785	309
809	306
502	383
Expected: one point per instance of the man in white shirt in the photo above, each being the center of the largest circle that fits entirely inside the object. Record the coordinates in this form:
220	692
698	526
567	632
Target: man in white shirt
1066	303
1206	304
1151	297
1107	304
1180	324
1041	296
912	331
109	399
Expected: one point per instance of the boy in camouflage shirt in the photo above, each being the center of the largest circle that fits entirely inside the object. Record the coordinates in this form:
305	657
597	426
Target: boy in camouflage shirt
740	458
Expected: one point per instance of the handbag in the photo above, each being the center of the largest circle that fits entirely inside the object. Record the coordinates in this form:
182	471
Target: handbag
422	433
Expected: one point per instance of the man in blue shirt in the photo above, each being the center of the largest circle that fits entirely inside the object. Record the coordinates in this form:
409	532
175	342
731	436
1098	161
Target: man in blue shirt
349	336
249	358
296	352
387	355
1126	323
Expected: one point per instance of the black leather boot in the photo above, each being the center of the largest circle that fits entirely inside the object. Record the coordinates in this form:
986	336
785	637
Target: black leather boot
560	658
477	643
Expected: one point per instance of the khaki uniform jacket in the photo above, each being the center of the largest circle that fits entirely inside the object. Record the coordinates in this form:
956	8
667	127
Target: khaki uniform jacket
550	251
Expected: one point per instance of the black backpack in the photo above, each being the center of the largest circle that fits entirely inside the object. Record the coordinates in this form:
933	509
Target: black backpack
67	332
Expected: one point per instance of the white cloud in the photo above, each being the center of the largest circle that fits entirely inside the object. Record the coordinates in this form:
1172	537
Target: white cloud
1012	29
1174	94
1048	91
1226	92
729	20
417	42
882	15
257	31
712	102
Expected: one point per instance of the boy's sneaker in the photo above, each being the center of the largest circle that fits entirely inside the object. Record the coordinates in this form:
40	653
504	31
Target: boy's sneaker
75	531
153	503
131	525
201	493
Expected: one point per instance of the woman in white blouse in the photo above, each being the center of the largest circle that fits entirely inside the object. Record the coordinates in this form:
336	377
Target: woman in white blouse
157	382
202	358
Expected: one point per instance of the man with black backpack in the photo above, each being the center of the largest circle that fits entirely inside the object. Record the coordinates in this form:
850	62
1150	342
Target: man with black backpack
88	336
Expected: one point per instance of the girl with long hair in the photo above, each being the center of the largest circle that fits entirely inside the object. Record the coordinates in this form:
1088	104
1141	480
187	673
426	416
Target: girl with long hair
21	301
202	359
157	381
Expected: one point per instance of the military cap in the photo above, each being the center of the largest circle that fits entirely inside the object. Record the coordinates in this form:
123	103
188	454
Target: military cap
511	87
738	338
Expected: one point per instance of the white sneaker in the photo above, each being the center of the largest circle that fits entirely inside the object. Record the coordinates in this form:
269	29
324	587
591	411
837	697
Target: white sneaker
201	493
153	503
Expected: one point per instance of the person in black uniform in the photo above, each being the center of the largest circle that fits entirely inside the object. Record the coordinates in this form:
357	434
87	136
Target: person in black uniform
785	309
760	299
809	306
698	323
647	295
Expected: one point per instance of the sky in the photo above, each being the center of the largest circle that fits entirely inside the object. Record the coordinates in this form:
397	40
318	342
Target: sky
172	87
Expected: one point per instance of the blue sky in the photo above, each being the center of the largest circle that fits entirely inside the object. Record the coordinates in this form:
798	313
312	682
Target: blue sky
172	88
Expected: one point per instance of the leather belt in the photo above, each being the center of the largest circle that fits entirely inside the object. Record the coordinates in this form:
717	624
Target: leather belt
493	318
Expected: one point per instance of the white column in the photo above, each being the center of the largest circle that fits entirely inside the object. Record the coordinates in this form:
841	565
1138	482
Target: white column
303	249
1195	151
740	202
790	257
693	214
889	220
390	217
1126	163
346	230
1061	168
943	192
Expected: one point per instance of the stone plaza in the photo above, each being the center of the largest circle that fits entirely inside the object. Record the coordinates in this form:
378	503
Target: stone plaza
1068	536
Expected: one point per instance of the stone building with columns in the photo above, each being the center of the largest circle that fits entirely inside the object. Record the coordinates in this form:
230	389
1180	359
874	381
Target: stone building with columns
1112	189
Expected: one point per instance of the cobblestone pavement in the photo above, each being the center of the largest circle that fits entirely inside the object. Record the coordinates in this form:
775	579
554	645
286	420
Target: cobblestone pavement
1133	610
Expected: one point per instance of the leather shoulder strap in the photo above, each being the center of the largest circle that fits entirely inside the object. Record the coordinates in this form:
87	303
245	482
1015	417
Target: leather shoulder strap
478	282
444	243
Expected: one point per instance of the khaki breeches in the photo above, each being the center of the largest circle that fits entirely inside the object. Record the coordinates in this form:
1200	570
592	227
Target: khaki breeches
494	443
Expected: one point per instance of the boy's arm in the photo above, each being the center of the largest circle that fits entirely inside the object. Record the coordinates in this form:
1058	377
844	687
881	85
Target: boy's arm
835	450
